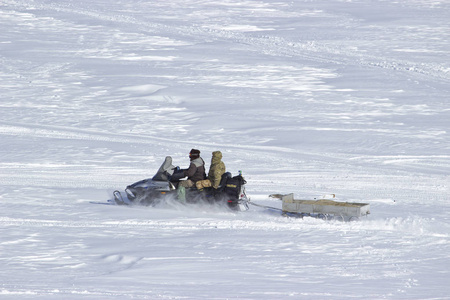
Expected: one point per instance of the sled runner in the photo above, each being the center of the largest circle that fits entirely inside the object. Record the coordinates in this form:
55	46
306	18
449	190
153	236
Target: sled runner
160	188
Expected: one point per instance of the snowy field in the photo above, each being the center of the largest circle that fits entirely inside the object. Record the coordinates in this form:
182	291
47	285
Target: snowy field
306	97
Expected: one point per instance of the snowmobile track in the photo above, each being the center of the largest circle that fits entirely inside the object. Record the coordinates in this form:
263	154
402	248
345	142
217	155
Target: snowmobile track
273	46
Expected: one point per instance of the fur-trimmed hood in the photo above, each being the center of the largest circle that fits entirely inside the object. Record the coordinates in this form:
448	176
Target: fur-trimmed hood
216	157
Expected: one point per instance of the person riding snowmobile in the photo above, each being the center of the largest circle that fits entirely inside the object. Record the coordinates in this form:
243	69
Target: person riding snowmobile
216	170
194	173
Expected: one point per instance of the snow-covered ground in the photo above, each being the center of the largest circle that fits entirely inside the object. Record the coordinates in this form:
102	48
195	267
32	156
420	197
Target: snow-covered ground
305	97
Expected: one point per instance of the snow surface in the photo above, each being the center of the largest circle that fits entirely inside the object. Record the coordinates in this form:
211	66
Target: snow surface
306	97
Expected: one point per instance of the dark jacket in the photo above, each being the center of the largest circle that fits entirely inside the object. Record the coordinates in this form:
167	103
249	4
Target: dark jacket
196	170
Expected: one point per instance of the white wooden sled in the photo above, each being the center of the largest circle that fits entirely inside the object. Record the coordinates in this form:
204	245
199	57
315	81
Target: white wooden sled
325	207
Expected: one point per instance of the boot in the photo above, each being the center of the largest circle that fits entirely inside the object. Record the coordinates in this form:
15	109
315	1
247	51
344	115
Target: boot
181	193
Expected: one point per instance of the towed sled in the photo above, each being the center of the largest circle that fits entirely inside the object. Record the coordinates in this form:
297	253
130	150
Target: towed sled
162	188
322	208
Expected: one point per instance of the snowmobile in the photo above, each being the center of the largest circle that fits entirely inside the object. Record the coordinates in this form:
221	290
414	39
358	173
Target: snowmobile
163	187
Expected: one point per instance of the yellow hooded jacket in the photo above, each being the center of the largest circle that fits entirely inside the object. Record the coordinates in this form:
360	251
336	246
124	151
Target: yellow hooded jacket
217	169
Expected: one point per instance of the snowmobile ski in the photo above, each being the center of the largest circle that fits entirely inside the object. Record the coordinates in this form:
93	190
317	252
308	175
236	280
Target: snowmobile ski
118	198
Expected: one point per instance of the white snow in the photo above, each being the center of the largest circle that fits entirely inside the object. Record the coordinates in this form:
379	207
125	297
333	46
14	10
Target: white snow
305	97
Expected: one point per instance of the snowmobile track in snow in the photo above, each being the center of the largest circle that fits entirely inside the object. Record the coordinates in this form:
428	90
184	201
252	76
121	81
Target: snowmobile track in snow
273	46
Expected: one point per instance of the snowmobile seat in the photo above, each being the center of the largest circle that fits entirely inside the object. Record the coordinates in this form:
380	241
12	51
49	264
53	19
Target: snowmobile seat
223	181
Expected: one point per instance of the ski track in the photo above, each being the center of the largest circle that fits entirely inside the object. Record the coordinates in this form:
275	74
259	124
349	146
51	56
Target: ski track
202	248
275	46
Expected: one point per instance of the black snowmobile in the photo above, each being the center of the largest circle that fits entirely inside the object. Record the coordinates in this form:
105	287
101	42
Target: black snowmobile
163	187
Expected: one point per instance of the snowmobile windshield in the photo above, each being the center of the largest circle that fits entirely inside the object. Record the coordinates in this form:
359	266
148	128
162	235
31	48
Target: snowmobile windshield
165	170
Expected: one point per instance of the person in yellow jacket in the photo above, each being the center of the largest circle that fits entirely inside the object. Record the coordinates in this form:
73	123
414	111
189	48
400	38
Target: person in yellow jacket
216	170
